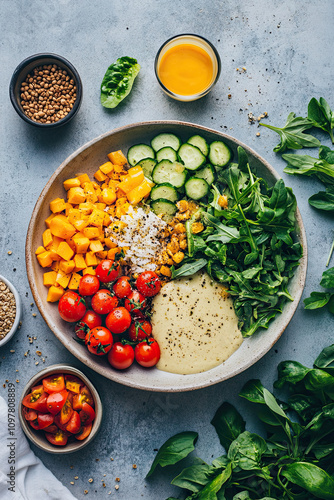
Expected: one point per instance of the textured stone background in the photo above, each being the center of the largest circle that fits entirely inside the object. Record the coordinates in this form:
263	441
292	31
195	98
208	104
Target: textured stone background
286	47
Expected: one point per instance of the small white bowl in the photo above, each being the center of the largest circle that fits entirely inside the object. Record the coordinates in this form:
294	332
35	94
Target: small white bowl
18	311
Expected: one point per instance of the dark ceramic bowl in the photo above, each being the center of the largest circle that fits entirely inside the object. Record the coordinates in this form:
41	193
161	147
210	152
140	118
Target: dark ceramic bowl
26	67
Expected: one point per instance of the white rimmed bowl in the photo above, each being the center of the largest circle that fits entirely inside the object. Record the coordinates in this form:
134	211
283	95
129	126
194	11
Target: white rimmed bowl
18	311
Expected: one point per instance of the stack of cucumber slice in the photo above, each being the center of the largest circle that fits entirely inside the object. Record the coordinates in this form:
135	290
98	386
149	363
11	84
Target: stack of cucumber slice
175	167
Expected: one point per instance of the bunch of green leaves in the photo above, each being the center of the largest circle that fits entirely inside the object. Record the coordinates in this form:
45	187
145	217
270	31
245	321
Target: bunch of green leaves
118	80
248	246
295	461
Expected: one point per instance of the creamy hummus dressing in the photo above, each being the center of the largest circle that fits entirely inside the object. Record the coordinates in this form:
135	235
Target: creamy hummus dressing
195	325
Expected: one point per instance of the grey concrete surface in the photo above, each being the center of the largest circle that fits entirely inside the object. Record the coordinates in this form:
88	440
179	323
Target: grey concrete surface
286	49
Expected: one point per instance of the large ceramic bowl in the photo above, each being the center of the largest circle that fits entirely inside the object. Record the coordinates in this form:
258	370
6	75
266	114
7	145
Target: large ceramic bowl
87	159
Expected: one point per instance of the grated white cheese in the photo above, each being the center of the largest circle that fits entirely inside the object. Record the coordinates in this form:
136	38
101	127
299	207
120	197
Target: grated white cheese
140	236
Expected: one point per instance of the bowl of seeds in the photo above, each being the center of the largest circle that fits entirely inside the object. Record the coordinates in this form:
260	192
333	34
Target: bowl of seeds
46	90
10	310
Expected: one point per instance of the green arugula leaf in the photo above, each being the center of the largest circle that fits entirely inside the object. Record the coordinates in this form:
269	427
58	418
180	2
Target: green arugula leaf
118	80
228	424
189	268
174	449
307	165
292	136
321	115
311	478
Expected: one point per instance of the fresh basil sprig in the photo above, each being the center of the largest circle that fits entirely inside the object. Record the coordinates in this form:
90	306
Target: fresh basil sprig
321	115
295	459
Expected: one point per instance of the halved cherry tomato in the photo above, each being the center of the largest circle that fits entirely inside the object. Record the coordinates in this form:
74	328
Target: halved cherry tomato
87	414
135	302
52	429
121	356
99	340
85	395
56	401
45	420
55	383
140	330
34	424
147	353
122	287
103	302
88	285
37	399
73	383
29	414
67	409
90	320
107	270
71	307
74	423
118	320
58	439
148	283
83	432
58	422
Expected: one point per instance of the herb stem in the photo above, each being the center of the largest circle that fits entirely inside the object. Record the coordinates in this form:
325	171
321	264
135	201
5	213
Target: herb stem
330	254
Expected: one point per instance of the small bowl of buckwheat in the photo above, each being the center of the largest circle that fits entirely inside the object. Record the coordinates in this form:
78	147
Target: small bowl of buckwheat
46	90
10	310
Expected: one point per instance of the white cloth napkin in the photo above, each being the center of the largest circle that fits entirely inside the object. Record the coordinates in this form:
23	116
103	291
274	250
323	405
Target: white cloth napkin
32	481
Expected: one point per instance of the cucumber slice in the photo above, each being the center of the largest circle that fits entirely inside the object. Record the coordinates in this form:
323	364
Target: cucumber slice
163	207
165	191
208	173
200	143
172	172
147	164
192	157
219	154
165	140
167	153
196	188
139	152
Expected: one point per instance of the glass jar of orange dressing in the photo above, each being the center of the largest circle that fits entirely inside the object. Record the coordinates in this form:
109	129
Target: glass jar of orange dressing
187	67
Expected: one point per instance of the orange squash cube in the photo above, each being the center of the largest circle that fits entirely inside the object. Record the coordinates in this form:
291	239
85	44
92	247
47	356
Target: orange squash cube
89	270
40	250
61	228
71	183
100	176
107	167
45	259
49	278
57	205
90	259
55	293
86	208
67	266
65	251
83	178
80	263
81	243
96	218
76	195
117	157
74	281
91	232
96	246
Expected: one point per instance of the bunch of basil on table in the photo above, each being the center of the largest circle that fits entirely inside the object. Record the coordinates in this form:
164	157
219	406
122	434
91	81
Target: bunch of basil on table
295	459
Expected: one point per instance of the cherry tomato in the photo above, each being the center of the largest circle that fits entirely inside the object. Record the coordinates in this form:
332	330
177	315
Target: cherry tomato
29	414
67	410
99	340
118	320
44	420
84	395
73	383
122	287
90	320
52	429
107	270
71	307
148	283
58	439
135	302
121	356
103	302
37	399
140	330
58	422
74	423
147	353
88	285
55	383
56	401
87	414
34	424
83	432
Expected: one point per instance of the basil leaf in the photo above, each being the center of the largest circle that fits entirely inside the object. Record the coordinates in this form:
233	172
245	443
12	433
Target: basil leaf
311	478
246	451
209	492
174	449
321	115
195	477
188	269
272	404
325	358
317	300
253	391
118	80
324	200
290	372
317	380
327	280
292	136
228	423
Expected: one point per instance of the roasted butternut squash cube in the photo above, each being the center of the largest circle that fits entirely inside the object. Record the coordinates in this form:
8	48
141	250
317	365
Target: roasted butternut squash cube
112	252
102	255
54	255
63	279
71	183
61	228
53	246
55	266
74	214
76	195
68	207
139	192
117	158
100	176
83	178
96	246
65	251
86	208
79	261
107	167
80	224
47	237
91	232
49	278
100	205
57	205
39	250
45	259
74	281
90	259
96	218
49	219
91	196
67	266
55	293
89	270
108	195
109	243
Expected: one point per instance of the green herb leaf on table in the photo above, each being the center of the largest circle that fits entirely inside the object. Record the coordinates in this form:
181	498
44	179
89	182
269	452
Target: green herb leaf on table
311	478
324	200
317	300
321	115
228	423
118	80
292	136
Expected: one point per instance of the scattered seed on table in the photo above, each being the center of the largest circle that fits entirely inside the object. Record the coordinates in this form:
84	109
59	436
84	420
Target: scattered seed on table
90	480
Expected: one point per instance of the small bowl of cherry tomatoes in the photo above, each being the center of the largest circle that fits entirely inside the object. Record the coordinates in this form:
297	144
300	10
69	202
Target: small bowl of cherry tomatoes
111	314
60	410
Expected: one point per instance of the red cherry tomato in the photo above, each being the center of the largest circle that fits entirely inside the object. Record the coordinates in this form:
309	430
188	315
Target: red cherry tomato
58	439
135	302
118	320
71	307
84	395
67	410
107	270
74	423
55	383
148	283
121	356
147	353
88	285
99	340
44	420
56	401
73	383
83	432
37	399
103	302
122	287
140	330
29	414
87	414
34	424
90	320
52	429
